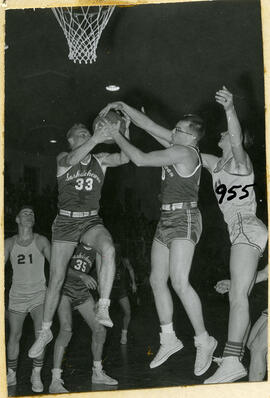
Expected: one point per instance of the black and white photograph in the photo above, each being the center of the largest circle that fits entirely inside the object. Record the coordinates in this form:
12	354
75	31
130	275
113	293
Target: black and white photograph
135	197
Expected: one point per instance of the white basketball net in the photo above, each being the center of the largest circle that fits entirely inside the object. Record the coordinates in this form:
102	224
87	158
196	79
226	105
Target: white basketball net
82	28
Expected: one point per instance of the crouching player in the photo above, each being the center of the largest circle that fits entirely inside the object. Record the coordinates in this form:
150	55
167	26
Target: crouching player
76	295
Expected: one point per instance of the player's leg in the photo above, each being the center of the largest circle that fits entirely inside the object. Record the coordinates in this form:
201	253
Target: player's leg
98	339
100	239
37	315
257	344
16	320
64	312
181	255
60	256
169	344
243	265
125	305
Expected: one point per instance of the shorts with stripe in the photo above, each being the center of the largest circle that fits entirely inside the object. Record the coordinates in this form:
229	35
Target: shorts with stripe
178	225
24	303
69	229
248	229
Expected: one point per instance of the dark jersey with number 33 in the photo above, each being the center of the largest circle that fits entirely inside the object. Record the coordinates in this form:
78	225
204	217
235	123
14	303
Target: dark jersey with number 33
80	186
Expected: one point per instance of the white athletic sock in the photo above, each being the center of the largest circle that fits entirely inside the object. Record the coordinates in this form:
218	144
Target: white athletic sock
56	373
203	336
97	365
124	331
168	328
46	325
104	302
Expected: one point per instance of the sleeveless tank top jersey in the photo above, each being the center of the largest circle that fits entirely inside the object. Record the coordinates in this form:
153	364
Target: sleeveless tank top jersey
79	189
81	261
176	188
244	201
28	268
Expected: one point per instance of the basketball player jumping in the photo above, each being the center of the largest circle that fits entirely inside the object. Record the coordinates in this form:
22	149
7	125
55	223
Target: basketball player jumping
233	181
179	228
76	296
80	178
27	252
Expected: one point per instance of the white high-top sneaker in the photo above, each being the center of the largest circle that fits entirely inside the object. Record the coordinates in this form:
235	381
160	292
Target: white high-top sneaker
100	377
11	378
230	369
169	344
205	347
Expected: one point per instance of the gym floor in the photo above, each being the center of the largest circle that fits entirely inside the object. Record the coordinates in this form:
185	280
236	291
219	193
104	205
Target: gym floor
129	364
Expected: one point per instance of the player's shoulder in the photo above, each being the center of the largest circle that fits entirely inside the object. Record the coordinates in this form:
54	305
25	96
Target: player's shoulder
209	161
41	240
9	242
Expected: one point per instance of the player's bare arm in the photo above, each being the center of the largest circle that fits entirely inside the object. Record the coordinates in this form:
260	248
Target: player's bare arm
225	98
177	154
141	120
8	244
209	161
131	273
88	280
67	159
44	247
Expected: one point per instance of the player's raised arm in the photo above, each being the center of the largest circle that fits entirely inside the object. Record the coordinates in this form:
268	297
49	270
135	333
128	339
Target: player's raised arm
141	120
80	148
225	98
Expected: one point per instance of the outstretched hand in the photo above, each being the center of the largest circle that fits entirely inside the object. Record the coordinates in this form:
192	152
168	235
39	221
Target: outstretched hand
118	106
225	98
223	286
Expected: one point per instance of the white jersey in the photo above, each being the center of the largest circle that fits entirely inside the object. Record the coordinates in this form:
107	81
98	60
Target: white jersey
28	268
234	192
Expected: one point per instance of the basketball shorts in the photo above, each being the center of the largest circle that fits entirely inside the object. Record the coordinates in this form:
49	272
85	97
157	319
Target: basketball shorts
69	229
24	303
178	225
77	292
248	229
118	292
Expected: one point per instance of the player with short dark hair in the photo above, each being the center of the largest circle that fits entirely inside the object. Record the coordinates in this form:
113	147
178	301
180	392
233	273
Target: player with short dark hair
27	252
178	230
76	296
80	177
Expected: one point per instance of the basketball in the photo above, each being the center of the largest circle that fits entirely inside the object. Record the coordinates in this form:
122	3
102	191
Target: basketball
111	117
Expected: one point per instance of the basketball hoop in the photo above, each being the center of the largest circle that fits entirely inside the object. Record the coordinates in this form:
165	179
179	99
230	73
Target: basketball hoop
82	27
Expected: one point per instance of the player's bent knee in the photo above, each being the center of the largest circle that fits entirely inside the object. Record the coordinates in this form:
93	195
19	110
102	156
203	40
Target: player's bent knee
108	249
156	282
64	337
